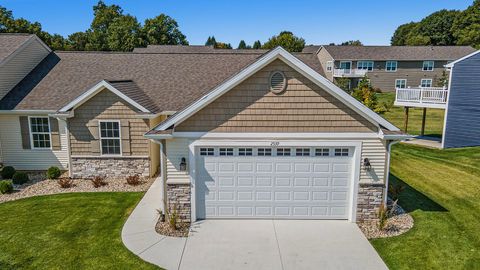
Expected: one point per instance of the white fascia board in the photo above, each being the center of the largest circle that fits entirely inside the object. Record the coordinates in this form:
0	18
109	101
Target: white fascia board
243	135
292	61
94	90
27	112
158	136
450	65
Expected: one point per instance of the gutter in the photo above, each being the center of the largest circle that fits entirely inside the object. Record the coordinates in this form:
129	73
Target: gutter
387	171
30	112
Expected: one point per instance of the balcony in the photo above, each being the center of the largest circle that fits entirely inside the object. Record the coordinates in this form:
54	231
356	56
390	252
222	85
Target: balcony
349	73
422	97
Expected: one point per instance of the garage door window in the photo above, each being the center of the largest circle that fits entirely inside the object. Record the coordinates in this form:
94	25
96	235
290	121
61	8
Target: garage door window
226	151
264	151
341	152
303	152
283	152
322	152
245	151
207	152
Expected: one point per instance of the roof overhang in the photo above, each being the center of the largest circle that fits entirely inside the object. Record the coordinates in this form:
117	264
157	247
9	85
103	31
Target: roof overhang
295	63
95	90
450	65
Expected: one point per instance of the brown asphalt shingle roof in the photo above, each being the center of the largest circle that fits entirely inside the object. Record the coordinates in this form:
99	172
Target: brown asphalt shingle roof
170	81
401	53
192	49
9	43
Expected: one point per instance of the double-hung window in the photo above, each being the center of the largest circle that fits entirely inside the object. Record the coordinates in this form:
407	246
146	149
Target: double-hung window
428	65
365	65
110	138
401	83
426	83
40	132
391	66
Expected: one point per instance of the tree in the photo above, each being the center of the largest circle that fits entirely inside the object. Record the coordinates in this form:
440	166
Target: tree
466	27
352	43
103	17
221	45
343	83
257	45
211	41
77	41
399	37
365	93
242	45
287	40
123	34
163	30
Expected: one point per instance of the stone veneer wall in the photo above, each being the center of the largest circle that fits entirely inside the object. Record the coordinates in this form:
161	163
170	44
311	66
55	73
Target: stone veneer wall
88	167
179	197
370	197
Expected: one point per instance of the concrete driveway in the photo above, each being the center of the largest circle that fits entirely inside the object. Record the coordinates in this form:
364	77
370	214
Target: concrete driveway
278	244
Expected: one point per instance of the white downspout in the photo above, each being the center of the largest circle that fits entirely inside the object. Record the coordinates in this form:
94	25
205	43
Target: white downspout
387	173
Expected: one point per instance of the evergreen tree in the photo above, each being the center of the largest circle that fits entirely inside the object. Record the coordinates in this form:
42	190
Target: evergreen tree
257	45
242	45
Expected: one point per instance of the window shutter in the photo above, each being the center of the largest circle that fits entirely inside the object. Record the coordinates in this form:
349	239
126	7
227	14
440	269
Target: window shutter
92	126
25	132
55	133
125	133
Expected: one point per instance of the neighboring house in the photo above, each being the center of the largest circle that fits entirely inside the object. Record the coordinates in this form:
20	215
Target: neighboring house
236	134
388	67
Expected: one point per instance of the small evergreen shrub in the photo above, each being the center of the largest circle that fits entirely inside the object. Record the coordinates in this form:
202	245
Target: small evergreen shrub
53	172
6	186
20	178
8	172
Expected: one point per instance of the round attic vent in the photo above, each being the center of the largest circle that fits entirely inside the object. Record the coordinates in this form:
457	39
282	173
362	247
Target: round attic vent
278	82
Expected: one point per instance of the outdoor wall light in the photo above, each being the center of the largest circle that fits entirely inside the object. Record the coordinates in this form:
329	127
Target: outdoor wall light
183	165
367	165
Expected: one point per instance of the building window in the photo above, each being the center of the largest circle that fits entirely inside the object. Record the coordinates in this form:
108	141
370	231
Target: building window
341	152
110	137
264	151
245	151
283	152
426	83
428	65
322	152
365	65
401	83
302	152
329	66
391	66
226	152
207	152
40	132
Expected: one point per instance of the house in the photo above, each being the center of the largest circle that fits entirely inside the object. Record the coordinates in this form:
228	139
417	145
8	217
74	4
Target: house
388	67
234	134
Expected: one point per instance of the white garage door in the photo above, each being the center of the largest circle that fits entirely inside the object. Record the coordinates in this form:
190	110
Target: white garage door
252	182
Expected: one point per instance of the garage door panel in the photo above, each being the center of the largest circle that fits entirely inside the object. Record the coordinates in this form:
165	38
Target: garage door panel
263	167
245	181
264	181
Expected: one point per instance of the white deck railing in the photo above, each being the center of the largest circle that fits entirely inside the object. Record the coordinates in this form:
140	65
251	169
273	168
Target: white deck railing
349	72
418	96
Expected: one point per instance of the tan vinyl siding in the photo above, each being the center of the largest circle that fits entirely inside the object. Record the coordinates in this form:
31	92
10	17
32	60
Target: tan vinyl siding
14	155
20	65
252	107
176	149
155	147
107	106
324	57
376	151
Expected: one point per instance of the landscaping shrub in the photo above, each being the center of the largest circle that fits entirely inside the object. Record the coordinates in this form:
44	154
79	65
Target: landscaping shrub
98	181
8	172
395	190
53	172
65	182
382	216
20	178
133	180
6	186
173	219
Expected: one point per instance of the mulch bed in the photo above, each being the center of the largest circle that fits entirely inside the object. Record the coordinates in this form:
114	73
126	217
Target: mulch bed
398	222
164	228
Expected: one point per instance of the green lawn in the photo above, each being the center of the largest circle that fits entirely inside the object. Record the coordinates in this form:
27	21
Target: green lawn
433	123
68	231
443	196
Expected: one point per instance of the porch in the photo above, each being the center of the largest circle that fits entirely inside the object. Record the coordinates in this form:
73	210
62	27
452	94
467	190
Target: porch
422	97
349	73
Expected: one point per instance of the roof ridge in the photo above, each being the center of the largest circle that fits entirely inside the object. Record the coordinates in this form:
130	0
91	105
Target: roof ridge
146	53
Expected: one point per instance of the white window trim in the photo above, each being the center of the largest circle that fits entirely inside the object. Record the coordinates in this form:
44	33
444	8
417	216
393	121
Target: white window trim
32	146
119	137
423	65
391	61
426	79
366	61
401	80
329	67
340	65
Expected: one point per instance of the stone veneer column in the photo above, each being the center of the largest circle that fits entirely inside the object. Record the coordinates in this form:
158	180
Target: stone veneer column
370	197
179	197
118	167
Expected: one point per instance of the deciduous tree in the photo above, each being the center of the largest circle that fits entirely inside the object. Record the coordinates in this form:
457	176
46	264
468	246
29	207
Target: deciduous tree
287	40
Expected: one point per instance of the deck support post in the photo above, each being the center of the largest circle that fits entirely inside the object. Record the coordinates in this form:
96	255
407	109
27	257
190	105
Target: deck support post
422	132
405	122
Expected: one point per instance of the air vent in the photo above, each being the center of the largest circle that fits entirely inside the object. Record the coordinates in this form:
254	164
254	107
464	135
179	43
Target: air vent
278	82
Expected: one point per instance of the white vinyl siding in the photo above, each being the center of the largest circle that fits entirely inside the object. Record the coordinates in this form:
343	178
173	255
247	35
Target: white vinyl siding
13	71
14	155
177	149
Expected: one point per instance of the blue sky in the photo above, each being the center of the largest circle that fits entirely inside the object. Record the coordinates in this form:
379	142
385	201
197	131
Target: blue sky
318	22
